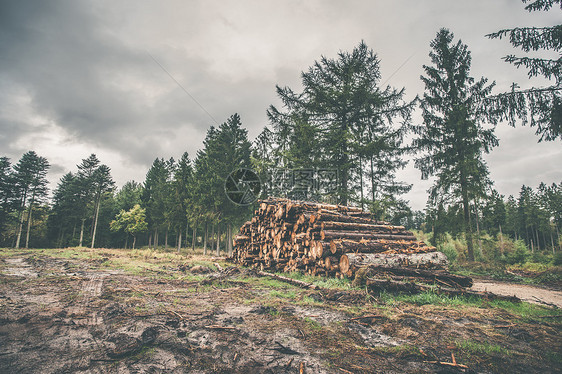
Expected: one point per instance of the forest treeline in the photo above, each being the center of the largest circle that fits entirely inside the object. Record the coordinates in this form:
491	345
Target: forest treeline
342	120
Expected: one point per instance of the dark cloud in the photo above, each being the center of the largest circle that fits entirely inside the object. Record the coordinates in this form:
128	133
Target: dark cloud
76	77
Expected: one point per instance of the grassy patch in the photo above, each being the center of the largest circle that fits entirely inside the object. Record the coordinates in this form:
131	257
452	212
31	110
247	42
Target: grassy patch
288	294
522	309
474	347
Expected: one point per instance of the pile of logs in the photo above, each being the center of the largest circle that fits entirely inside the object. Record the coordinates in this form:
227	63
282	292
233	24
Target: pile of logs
325	239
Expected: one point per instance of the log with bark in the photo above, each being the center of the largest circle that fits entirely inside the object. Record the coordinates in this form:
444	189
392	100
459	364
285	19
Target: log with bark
429	260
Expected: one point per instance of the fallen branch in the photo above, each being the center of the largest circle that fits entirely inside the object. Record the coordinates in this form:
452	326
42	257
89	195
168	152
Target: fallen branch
219	327
292	281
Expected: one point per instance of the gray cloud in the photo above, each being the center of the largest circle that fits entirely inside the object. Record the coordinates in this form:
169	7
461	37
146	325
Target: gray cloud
76	78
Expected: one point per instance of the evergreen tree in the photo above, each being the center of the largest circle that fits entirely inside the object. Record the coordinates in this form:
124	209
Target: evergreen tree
85	182
225	150
103	185
452	139
541	107
156	193
30	176
7	192
128	196
181	186
341	118
65	212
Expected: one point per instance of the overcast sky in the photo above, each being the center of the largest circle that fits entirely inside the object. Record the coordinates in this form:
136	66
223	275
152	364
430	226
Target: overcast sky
77	77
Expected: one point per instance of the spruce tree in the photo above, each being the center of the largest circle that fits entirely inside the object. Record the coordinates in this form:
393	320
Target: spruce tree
541	107
452	139
31	188
340	113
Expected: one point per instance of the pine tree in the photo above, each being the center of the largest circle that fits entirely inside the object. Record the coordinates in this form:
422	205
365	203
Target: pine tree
103	185
539	106
225	150
30	176
63	212
157	189
452	139
7	194
326	126
181	188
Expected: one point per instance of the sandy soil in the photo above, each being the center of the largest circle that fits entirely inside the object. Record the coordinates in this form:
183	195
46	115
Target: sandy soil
60	315
531	294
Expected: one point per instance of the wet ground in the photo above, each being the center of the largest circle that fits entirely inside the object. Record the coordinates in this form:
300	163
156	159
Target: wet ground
96	313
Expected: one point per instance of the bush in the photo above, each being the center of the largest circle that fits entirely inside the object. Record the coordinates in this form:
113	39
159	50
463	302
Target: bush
557	261
540	257
519	255
449	250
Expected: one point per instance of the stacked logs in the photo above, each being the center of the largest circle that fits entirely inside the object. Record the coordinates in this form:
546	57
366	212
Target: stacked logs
324	239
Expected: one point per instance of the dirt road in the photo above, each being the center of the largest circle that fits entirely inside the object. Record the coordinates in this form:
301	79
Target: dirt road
111	311
531	294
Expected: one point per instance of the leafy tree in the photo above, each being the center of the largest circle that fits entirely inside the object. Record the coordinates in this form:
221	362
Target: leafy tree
452	139
30	176
341	119
541	107
132	222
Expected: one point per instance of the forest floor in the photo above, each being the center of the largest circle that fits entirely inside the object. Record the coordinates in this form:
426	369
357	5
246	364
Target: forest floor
117	311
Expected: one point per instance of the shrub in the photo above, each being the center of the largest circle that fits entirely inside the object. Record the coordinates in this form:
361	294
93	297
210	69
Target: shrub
449	250
557	261
520	253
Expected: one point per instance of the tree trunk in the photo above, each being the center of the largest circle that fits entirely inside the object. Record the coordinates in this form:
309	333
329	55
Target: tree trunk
372	180
179	241
467	225
229	240
218	239
98	200
28	226
82	232
478	231
361	181
501	240
353	261
205	239
20	226
194	238
326	235
537	237
20	229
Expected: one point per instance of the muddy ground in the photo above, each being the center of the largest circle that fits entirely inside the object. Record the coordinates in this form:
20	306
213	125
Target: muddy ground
110	311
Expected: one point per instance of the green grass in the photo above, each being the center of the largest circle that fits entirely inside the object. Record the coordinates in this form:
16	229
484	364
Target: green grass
474	347
289	294
520	309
